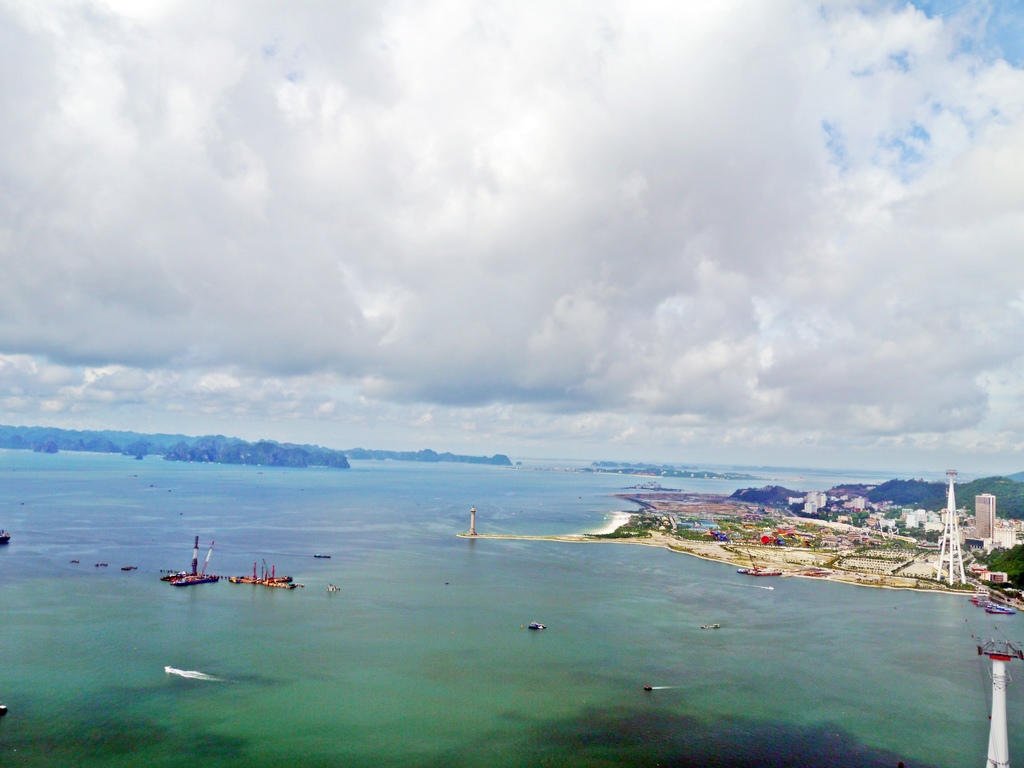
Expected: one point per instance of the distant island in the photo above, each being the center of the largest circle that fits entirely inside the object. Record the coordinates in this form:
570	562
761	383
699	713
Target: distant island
215	449
663	471
427	455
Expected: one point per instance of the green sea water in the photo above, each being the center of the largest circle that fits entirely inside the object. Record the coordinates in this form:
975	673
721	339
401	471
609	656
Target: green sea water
422	658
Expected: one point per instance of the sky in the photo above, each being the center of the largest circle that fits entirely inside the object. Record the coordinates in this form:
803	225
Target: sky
711	232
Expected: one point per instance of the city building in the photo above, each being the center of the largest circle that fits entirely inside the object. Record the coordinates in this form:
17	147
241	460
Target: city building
985	515
1004	537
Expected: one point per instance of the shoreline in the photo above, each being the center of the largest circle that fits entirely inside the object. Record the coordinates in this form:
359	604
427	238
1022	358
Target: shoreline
618	519
701	550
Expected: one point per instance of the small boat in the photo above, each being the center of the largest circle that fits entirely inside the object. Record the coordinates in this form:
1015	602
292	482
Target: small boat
648	687
101	565
536	625
74	561
3	710
711	626
5	537
323	557
332	588
129	568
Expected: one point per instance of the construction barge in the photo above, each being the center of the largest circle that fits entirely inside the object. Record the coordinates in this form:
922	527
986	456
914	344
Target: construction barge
266	578
183	579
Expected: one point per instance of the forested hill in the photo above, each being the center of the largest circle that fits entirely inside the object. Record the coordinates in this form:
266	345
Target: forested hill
1009	494
770	495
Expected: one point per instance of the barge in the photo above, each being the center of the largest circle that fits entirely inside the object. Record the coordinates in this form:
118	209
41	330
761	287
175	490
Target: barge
266	578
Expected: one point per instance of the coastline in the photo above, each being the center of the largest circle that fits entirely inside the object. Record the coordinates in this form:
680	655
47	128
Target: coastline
739	556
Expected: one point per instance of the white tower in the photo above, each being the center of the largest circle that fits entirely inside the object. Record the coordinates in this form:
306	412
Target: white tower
472	521
949	548
1000	651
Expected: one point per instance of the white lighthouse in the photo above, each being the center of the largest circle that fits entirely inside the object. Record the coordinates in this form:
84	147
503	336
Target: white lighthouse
1000	651
472	521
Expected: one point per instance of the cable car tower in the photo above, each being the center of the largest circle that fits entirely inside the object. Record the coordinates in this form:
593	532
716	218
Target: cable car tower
951	558
1000	651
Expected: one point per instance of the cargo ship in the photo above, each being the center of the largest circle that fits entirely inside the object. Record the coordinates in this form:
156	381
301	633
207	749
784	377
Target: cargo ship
202	577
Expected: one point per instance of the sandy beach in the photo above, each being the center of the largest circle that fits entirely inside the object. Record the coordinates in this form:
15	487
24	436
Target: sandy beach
614	521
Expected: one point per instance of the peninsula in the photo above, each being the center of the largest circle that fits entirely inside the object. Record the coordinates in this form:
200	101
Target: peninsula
759	538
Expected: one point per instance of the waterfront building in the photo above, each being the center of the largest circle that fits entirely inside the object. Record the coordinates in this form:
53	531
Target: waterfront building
995	577
985	515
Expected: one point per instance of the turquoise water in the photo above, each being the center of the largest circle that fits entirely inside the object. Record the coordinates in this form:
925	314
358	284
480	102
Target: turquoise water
421	659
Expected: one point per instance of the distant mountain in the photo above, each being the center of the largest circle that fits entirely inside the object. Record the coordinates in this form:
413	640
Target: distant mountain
266	453
210	448
51	439
427	455
1017	477
214	448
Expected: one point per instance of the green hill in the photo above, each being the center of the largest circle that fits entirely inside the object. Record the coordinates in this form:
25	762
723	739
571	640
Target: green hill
1011	562
916	493
1009	495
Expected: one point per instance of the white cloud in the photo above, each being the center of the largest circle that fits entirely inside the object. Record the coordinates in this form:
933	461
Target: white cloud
675	226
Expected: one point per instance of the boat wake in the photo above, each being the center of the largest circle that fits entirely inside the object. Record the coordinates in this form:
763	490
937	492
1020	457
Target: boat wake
191	674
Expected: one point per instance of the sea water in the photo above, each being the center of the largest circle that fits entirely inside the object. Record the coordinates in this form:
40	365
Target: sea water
422	658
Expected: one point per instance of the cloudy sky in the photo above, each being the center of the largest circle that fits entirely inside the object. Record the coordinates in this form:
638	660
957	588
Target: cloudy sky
778	232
